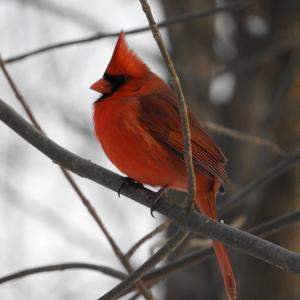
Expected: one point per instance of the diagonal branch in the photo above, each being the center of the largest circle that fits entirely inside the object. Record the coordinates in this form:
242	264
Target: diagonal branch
239	135
185	261
169	246
148	236
275	170
188	17
118	252
234	238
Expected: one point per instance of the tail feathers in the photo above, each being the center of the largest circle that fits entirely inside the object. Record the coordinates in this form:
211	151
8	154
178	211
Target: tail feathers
226	269
206	204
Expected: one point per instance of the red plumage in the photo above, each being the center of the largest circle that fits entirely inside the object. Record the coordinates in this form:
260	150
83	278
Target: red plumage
137	123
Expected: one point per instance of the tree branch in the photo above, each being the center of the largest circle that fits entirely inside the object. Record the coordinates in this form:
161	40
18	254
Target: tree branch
275	47
168	247
188	158
188	17
148	236
242	136
268	175
235	238
187	260
61	267
85	201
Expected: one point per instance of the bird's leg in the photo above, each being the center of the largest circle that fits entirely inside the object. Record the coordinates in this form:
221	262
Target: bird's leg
189	206
162	192
127	181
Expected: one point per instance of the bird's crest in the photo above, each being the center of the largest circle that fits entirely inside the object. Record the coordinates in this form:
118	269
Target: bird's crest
125	62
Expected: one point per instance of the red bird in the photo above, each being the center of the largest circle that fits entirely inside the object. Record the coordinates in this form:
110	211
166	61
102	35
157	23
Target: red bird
137	123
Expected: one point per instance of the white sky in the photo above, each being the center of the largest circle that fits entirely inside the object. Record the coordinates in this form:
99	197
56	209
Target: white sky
41	219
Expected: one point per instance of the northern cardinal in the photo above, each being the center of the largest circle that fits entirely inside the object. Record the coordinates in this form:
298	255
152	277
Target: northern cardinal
137	123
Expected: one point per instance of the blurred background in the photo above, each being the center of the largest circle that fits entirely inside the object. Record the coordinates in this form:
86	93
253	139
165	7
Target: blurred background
239	68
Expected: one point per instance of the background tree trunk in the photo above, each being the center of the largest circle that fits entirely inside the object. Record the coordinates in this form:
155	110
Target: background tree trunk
250	47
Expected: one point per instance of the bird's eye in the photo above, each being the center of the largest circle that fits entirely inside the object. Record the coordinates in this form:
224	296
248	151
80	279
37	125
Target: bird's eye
221	190
119	80
116	80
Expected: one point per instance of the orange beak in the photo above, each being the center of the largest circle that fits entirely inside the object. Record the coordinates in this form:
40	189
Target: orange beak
102	86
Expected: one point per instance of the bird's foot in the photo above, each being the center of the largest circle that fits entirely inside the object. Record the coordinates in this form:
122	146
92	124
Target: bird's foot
161	193
127	181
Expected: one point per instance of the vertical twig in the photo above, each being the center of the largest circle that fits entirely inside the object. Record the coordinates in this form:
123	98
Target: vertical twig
118	252
181	101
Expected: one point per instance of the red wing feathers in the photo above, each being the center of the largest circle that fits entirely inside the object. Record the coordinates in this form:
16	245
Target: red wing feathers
161	119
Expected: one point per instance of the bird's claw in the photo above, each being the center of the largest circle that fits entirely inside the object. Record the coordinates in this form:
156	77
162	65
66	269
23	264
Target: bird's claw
155	202
127	181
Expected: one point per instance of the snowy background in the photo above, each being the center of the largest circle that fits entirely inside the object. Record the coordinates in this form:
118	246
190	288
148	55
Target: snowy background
240	69
42	221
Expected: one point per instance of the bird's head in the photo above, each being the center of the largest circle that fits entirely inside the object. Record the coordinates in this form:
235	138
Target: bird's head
124	71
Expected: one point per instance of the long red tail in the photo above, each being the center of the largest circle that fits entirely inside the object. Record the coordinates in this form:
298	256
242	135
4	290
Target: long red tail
206	203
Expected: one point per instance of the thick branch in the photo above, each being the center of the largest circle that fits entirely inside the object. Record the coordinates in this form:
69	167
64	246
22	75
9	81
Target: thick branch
198	256
184	261
242	241
85	201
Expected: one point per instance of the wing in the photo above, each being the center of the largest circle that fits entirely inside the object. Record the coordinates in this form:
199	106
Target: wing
160	117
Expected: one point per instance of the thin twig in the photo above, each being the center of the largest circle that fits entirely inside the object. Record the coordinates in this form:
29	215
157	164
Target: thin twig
232	237
276	225
240	4
134	297
181	103
169	246
265	177
118	252
62	267
148	236
276	47
238	135
263	230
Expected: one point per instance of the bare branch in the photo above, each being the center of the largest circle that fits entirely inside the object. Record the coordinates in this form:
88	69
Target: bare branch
284	164
263	230
169	246
19	96
188	17
238	135
181	103
235	238
148	236
276	225
274	48
92	211
190	259
62	267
